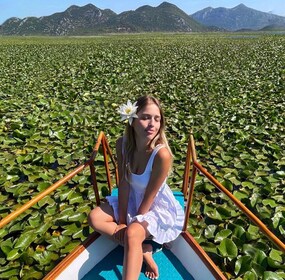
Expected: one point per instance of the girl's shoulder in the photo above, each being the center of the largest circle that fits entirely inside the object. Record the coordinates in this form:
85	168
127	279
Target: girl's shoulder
162	160
162	153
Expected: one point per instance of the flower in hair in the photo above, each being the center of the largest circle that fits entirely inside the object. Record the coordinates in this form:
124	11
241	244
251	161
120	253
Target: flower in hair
128	111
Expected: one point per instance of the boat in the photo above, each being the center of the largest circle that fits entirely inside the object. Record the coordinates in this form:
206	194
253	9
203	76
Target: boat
98	257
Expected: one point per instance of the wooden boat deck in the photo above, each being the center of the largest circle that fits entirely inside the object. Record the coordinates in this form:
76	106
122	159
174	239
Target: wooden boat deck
111	266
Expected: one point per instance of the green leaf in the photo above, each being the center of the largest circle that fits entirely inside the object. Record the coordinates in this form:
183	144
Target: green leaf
65	194
12	178
14	254
238	231
248	184
105	191
242	265
258	269
276	255
59	241
46	158
75	198
253	232
275	264
228	248
6	249
25	240
254	199
46	200
59	135
222	235
68	248
210	231
269	202
9	273
269	275
240	195
77	217
42	186
281	173
32	273
43	227
70	229
260	258
259	181
209	247
46	257
249	275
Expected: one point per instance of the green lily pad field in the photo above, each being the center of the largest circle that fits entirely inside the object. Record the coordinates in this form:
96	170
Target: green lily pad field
57	94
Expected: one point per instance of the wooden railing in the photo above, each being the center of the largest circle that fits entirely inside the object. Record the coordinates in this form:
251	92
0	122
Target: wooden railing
193	166
101	141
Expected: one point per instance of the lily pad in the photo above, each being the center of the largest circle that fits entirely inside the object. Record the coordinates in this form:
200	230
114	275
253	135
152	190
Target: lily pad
227	248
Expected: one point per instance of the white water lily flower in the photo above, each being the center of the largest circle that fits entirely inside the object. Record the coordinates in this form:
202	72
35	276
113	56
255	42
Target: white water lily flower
128	111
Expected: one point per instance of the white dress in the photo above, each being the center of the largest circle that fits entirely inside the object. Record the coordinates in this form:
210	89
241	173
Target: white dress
165	218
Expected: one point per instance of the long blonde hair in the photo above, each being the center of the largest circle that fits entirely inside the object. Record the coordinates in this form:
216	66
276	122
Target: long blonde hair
130	141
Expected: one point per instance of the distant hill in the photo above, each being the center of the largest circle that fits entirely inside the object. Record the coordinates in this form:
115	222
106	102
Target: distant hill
166	18
239	18
72	21
88	20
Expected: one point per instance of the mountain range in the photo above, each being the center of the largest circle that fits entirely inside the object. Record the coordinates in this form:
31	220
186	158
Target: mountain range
90	20
239	18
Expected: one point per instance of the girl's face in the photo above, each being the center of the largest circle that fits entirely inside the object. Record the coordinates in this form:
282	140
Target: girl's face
148	122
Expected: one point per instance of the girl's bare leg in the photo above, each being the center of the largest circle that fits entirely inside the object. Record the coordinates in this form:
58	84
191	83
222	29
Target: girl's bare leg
133	255
102	220
151	270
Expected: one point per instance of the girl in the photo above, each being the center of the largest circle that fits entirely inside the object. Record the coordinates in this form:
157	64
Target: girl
145	207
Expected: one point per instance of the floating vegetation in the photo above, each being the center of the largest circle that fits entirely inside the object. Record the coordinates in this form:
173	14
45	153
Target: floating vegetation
56	94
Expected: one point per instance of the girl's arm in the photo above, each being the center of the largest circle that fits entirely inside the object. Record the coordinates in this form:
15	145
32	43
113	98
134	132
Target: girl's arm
160	170
123	187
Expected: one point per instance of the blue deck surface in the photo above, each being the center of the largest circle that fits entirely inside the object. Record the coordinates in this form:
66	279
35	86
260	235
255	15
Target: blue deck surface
112	266
178	195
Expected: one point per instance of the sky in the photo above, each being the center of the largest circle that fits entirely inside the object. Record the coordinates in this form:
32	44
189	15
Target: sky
38	8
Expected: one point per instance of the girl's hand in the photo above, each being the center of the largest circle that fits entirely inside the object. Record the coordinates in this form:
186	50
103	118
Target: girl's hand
119	234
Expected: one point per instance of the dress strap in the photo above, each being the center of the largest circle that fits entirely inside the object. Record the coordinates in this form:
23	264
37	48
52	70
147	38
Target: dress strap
154	152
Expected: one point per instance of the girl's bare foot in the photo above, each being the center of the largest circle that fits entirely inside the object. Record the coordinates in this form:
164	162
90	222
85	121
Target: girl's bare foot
151	270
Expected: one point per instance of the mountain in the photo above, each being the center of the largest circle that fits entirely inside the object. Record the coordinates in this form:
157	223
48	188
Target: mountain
74	20
164	18
238	18
88	20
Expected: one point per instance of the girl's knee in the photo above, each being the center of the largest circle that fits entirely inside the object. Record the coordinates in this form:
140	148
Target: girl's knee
99	215
135	231
93	216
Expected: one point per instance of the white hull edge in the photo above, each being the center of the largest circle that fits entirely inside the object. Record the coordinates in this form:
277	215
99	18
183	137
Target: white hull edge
91	256
190	260
102	246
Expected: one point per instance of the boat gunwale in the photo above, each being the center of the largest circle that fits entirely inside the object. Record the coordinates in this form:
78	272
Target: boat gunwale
55	272
189	239
208	262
